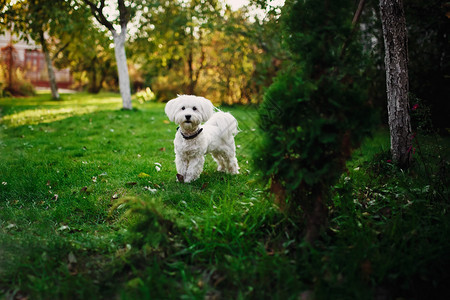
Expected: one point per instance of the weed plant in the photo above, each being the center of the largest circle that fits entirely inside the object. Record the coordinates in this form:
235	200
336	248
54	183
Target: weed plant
90	209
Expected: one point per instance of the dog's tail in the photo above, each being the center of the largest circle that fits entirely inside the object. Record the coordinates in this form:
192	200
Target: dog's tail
226	123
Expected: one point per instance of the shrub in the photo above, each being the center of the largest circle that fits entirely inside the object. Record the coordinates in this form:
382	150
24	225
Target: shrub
316	111
145	95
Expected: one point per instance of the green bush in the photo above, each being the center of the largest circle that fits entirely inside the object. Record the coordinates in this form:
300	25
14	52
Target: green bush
317	110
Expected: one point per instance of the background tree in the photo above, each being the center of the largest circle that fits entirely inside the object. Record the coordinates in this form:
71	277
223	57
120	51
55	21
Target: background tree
396	61
204	48
428	26
316	111
43	22
91	61
125	15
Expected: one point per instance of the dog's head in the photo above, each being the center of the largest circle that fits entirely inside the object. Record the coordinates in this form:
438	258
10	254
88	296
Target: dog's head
189	111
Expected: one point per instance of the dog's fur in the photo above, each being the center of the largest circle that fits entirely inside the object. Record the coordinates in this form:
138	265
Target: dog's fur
193	140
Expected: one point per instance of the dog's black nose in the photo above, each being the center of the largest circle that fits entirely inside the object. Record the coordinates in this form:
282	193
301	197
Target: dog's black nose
188	117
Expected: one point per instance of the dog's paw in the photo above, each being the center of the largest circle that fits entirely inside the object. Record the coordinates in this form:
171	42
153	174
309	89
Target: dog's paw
180	178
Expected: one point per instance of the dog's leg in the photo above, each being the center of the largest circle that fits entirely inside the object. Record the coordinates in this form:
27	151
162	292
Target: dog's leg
232	165
194	169
182	165
230	161
218	158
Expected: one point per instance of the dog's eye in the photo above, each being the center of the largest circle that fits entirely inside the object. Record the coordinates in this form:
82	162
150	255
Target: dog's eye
194	108
183	108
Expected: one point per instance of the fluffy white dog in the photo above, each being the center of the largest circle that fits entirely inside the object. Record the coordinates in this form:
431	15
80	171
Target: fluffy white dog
193	141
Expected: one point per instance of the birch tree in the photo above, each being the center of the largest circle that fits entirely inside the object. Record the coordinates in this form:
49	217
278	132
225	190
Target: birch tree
119	36
397	84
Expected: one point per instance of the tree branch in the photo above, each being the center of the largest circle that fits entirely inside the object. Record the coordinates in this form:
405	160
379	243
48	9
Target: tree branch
98	14
124	14
60	50
355	21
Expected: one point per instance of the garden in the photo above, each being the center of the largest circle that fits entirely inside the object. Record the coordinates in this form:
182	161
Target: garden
339	194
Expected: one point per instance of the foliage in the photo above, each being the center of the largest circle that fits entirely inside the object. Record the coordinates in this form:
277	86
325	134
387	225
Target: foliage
21	86
203	48
145	95
429	51
316	111
91	61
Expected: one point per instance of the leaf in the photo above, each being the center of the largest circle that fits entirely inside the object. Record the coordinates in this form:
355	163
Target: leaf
130	183
204	186
143	175
147	188
63	227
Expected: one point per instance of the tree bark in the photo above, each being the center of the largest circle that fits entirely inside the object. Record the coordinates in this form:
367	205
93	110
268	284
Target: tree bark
122	67
316	215
396	61
119	45
50	70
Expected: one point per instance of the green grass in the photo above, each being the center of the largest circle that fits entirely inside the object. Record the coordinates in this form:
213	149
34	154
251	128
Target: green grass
84	213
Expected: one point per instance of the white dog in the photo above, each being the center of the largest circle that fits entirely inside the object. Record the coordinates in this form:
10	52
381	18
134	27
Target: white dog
193	141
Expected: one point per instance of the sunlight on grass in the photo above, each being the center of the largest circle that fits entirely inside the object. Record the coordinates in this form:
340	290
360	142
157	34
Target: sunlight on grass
36	116
40	109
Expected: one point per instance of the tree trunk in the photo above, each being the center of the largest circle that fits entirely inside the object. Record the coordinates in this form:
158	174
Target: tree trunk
396	61
122	68
50	70
316	215
94	87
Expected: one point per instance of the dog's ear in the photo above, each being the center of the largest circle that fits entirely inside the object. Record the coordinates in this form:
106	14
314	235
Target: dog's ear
170	109
207	109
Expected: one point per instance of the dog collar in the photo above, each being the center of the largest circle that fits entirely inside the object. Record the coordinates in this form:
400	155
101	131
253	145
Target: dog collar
190	137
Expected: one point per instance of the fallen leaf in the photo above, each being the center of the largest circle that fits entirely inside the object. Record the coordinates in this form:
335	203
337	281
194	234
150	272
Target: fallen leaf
204	186
166	122
55	197
162	149
64	227
143	175
115	196
131	183
147	188
10	226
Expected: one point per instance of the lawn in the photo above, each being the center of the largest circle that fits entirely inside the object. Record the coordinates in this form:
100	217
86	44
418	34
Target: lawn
90	208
